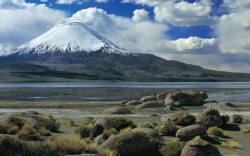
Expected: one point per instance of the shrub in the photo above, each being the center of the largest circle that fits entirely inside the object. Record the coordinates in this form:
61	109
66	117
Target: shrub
72	123
44	132
121	123
231	144
27	133
12	146
85	131
147	125
216	131
172	148
48	122
125	130
71	144
168	129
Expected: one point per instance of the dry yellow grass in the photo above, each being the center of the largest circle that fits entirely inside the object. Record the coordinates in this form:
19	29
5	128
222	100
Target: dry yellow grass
217	132
234	154
244	130
109	152
231	144
147	125
71	144
44	132
125	130
26	130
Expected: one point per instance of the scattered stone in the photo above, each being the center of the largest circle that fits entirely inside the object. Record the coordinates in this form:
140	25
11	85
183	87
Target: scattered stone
129	144
117	110
199	147
161	96
186	98
133	102
148	98
210	118
150	104
189	132
236	118
123	102
179	118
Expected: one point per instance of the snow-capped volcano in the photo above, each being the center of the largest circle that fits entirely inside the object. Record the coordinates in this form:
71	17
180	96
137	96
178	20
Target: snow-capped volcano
68	37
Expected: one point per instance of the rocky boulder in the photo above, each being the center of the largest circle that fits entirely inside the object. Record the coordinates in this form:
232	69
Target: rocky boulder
179	118
133	102
129	144
236	118
161	96
210	118
117	110
148	98
199	147
189	132
150	104
186	98
123	102
149	132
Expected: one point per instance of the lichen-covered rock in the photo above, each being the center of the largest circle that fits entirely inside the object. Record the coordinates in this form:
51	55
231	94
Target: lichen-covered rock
199	147
236	118
129	144
133	102
189	132
123	102
148	98
161	96
117	110
210	118
149	132
150	104
179	118
186	98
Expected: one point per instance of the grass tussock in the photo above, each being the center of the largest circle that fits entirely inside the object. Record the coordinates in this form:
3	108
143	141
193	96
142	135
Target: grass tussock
109	152
44	132
125	130
148	125
168	129
48	122
71	144
85	131
27	132
121	123
231	144
217	132
72	123
244	130
172	148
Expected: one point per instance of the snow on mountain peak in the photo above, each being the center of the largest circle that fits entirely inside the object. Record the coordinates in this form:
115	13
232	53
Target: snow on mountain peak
68	37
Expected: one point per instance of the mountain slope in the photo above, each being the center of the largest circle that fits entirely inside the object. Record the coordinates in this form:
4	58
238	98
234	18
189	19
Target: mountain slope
74	51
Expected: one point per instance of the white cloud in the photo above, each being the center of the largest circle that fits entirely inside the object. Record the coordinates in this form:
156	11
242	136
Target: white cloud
5	47
134	36
146	2
233	30
79	1
140	15
22	21
184	13
194	44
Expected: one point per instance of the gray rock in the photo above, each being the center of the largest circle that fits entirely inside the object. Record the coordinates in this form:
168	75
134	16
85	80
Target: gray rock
133	102
149	132
199	147
210	118
129	144
161	96
224	106
123	102
150	104
179	118
236	118
148	98
186	98
189	132
117	110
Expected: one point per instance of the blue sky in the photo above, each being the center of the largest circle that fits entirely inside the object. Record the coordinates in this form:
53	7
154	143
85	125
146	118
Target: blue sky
211	33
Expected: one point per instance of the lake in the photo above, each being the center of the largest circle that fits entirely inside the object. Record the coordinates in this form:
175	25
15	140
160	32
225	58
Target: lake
115	91
173	85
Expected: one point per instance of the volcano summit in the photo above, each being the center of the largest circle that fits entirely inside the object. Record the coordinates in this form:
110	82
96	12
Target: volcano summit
74	52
